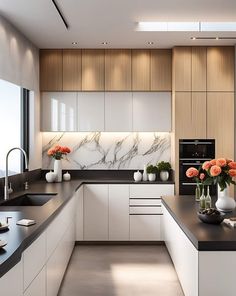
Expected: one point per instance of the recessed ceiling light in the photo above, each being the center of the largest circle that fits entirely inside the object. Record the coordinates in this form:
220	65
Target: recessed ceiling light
104	43
74	43
150	43
193	38
217	38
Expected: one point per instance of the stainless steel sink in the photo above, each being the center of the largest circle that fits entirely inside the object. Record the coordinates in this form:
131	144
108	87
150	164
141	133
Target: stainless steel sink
29	200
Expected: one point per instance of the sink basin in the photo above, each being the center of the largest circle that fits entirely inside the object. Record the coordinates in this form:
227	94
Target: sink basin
29	200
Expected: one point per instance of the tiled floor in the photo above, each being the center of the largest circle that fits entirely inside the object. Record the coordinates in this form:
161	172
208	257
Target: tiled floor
120	271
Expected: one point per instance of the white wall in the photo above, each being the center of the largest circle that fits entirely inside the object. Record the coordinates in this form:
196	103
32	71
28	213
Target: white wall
19	64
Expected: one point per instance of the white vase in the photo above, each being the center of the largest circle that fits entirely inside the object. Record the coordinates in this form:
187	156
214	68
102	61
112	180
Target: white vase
225	203
50	177
164	175
58	170
145	177
137	176
151	177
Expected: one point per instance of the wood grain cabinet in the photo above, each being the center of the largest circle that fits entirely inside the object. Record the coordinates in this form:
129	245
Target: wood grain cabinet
51	70
198	71
93	67
220	68
72	70
118	70
161	70
141	62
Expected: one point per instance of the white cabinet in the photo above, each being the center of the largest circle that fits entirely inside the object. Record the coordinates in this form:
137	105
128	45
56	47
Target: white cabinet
96	212
11	284
118	111
145	227
119	212
59	111
91	111
80	214
38	286
151	191
34	258
152	111
183	254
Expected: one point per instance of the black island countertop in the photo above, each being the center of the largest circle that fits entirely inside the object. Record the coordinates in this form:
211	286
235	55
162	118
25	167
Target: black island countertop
204	237
20	237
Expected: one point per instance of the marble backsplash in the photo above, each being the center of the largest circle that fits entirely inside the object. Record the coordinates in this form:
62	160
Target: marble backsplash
101	150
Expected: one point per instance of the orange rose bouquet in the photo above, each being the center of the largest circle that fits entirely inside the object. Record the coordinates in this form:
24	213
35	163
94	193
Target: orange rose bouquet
57	152
219	171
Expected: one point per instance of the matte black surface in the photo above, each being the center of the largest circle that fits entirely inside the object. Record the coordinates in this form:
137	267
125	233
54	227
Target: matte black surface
205	237
20	237
24	200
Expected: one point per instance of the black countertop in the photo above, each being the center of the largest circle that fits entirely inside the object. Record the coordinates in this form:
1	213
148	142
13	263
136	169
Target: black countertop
20	237
205	237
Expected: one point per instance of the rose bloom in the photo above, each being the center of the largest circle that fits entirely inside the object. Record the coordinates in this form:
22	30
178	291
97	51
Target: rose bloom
221	162
232	165
57	148
65	149
215	170
51	152
213	162
232	173
202	176
206	165
191	172
228	160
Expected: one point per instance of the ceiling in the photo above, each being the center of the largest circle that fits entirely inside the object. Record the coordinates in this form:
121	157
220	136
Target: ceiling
92	22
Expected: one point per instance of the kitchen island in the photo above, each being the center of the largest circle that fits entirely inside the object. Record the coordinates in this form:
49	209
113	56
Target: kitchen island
201	253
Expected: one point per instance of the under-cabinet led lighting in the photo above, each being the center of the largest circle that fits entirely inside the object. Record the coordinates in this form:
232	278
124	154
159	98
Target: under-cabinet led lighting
187	26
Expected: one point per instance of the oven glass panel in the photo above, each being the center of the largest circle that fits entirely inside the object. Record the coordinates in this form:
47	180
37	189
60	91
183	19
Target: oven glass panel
196	149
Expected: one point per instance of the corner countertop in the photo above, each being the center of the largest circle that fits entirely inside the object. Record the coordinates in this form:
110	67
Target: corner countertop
204	237
19	237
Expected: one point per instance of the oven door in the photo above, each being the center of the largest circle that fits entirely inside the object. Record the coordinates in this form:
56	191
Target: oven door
196	149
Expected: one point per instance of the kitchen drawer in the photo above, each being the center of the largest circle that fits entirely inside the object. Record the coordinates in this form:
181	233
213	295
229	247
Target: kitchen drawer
145	227
145	202
145	210
152	190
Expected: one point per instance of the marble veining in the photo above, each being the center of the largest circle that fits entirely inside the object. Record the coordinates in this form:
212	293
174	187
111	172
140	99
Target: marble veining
100	150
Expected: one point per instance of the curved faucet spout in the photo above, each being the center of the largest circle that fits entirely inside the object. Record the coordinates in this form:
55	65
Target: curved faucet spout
6	193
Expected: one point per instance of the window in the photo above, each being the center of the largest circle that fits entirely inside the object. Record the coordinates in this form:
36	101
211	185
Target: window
14	102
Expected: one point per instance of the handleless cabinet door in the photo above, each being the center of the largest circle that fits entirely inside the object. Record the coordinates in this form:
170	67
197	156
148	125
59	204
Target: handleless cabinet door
118	70
119	212
152	111
71	69
118	111
182	67
141	69
91	111
95	212
59	111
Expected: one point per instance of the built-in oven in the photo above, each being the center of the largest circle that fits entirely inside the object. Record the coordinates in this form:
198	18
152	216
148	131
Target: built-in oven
193	153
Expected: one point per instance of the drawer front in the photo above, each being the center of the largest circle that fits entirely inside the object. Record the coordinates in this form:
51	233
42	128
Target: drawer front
153	191
145	202
145	227
145	210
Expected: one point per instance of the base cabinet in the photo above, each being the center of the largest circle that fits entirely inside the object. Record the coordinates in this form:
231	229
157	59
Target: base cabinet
145	227
38	286
11	284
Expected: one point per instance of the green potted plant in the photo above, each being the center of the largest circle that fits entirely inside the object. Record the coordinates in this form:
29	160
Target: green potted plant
151	171
164	170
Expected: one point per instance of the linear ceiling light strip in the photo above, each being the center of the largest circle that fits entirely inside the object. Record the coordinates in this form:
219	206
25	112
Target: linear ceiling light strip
61	15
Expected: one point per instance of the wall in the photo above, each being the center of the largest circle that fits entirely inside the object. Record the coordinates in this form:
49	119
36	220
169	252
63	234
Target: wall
108	150
19	64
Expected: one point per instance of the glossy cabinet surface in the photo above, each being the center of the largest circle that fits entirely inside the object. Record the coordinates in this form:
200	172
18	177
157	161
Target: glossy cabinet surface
118	111
91	111
59	111
152	111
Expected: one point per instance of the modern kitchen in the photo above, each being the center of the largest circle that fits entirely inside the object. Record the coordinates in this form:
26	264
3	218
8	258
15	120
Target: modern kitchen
117	159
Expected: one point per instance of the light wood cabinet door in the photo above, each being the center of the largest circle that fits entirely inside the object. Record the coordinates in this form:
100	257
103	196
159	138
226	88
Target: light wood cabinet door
182	64
199	60
190	115
93	63
220	68
140	69
220	122
51	70
71	70
118	70
161	70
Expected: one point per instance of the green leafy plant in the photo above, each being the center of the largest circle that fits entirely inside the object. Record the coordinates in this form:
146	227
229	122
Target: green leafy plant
152	169
163	166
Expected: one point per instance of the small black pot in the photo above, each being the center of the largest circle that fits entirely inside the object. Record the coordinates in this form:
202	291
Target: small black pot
211	219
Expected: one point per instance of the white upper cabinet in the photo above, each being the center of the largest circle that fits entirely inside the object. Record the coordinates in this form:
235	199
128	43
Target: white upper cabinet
118	111
91	111
59	111
152	111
